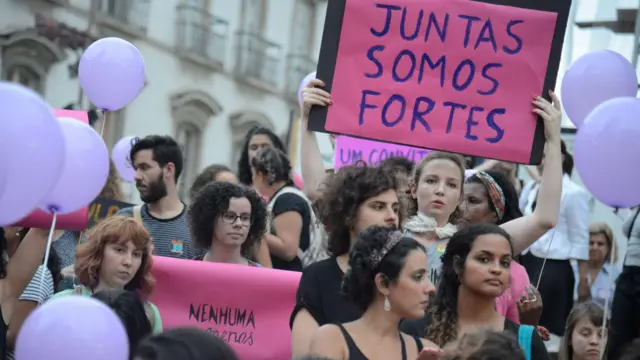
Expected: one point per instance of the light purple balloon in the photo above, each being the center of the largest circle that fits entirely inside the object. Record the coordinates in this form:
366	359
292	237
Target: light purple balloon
72	328
593	79
3	165
112	73
303	83
85	170
606	149
120	156
33	149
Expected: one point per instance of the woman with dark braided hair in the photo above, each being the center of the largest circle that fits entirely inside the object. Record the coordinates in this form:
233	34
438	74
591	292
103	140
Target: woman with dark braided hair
256	139
290	210
475	271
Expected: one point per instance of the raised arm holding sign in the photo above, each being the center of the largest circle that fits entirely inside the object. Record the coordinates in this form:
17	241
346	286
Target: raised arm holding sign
453	75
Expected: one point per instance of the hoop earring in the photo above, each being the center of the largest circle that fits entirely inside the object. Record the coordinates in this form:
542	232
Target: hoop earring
387	304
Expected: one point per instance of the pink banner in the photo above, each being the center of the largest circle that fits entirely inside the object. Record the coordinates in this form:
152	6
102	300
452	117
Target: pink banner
349	150
74	221
453	75
248	307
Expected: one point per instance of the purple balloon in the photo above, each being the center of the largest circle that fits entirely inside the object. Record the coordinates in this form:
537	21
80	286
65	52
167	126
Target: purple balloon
120	156
33	148
593	79
72	328
85	170
112	73
606	150
3	165
304	83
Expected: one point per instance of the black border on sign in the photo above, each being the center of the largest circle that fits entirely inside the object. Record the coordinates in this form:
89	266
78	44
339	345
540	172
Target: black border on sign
331	40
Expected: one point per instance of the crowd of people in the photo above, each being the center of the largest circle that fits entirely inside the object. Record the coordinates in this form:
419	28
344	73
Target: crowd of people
439	259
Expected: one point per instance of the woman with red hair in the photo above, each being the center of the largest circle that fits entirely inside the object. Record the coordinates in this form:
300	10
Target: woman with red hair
117	255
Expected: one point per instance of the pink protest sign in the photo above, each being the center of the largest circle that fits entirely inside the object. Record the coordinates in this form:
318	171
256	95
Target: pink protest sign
453	75
248	307
74	221
349	150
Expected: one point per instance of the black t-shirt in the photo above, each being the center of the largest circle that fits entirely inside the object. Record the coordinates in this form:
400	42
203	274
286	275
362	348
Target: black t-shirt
417	327
285	203
319	294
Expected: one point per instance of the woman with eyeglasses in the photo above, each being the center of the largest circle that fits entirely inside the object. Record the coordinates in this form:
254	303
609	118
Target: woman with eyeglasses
229	221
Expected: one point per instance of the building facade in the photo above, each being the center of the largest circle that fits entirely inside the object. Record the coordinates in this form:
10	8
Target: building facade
214	68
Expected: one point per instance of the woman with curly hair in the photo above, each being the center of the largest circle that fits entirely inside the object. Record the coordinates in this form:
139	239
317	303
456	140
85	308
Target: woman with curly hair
218	172
117	255
388	281
353	199
475	271
256	139
228	221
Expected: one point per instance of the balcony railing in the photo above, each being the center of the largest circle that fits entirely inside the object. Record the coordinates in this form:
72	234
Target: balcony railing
298	66
257	59
201	35
131	16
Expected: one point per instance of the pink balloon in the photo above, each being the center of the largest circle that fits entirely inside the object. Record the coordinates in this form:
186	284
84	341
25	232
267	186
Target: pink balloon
112	73
85	170
32	148
120	156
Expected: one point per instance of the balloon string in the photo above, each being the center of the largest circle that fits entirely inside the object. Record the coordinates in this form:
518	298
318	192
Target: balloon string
104	120
616	211
603	342
544	262
46	254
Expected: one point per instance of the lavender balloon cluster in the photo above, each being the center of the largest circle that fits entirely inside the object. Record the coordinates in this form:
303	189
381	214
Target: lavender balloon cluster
60	165
599	95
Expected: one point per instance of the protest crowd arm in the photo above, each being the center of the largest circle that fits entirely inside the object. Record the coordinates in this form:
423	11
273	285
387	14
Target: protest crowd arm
311	164
263	257
285	245
533	172
22	266
527	229
486	165
304	325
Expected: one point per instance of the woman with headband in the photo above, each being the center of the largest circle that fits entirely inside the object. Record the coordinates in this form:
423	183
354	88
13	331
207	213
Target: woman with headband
491	197
388	280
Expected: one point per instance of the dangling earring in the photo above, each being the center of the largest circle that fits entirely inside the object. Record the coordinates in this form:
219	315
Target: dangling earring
387	304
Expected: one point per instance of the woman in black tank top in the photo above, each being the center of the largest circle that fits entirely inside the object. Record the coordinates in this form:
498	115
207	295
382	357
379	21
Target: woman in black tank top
388	280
